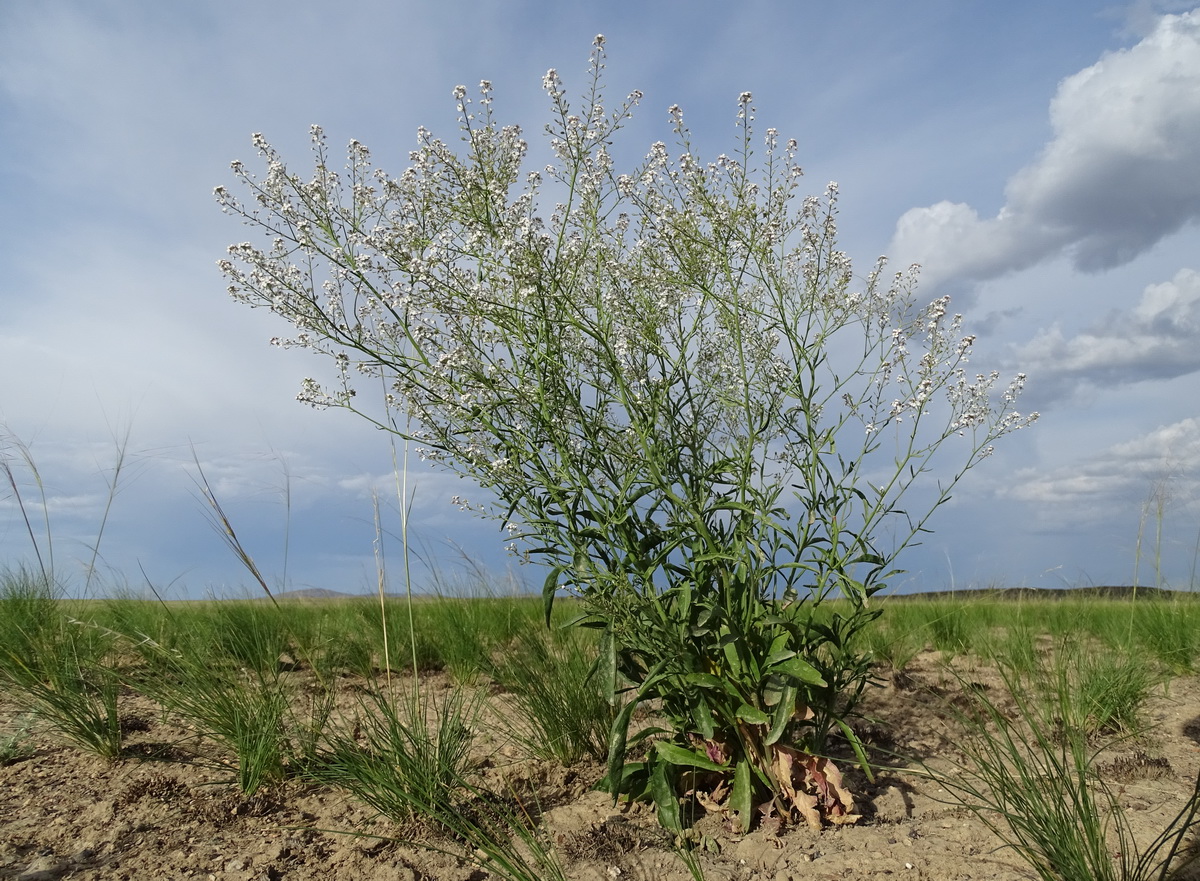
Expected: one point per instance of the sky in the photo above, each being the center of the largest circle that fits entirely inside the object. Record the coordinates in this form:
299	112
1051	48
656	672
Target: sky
1040	161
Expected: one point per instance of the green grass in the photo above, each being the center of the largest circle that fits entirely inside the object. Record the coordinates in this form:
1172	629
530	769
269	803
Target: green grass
58	668
563	712
897	637
1077	674
1167	628
1105	691
251	635
220	671
956	627
244	714
1034	784
408	757
405	755
1170	631
29	607
1016	649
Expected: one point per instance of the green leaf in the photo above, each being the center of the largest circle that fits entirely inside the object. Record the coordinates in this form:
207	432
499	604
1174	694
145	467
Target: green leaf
677	755
778	656
708	680
753	715
857	745
645	734
800	669
772	690
605	666
617	737
684	611
729	645
702	717
634	782
779	649
739	796
549	588
784	711
662	790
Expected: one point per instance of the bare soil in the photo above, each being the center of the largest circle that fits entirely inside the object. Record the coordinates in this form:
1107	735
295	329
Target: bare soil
164	811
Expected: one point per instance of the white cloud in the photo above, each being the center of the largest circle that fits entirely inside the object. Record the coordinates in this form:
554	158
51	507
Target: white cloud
1142	16
1158	339
1121	172
1123	474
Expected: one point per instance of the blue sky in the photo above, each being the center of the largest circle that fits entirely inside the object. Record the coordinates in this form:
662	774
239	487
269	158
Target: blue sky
1042	162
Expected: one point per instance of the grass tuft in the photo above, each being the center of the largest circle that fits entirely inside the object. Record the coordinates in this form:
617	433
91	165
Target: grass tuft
564	713
246	713
1035	785
57	668
409	759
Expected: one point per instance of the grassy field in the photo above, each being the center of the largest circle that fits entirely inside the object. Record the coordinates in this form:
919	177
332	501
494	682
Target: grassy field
458	726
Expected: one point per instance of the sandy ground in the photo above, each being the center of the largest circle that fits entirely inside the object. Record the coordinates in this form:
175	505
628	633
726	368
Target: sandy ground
65	814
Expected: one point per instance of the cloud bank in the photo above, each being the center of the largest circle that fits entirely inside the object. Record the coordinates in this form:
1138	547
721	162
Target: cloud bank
1121	172
1158	339
1166	457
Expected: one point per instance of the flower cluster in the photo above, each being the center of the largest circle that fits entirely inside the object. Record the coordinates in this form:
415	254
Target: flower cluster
681	290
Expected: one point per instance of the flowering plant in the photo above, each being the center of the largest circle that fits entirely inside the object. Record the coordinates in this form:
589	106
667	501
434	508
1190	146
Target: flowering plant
679	394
